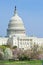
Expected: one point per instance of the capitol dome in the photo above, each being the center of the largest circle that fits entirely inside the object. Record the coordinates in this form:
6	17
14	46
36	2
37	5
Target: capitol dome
15	26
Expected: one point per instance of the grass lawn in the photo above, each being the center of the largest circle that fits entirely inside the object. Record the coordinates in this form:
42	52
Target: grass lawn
35	62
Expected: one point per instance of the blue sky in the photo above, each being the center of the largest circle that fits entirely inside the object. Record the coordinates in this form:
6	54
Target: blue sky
31	12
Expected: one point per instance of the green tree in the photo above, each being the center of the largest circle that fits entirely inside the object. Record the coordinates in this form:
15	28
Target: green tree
8	54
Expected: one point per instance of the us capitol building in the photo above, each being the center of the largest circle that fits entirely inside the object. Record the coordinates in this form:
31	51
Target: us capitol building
16	34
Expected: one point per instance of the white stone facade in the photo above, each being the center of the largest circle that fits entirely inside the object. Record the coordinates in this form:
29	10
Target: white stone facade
16	35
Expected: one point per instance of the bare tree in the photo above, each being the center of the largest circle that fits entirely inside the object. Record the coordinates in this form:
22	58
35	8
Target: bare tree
35	51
